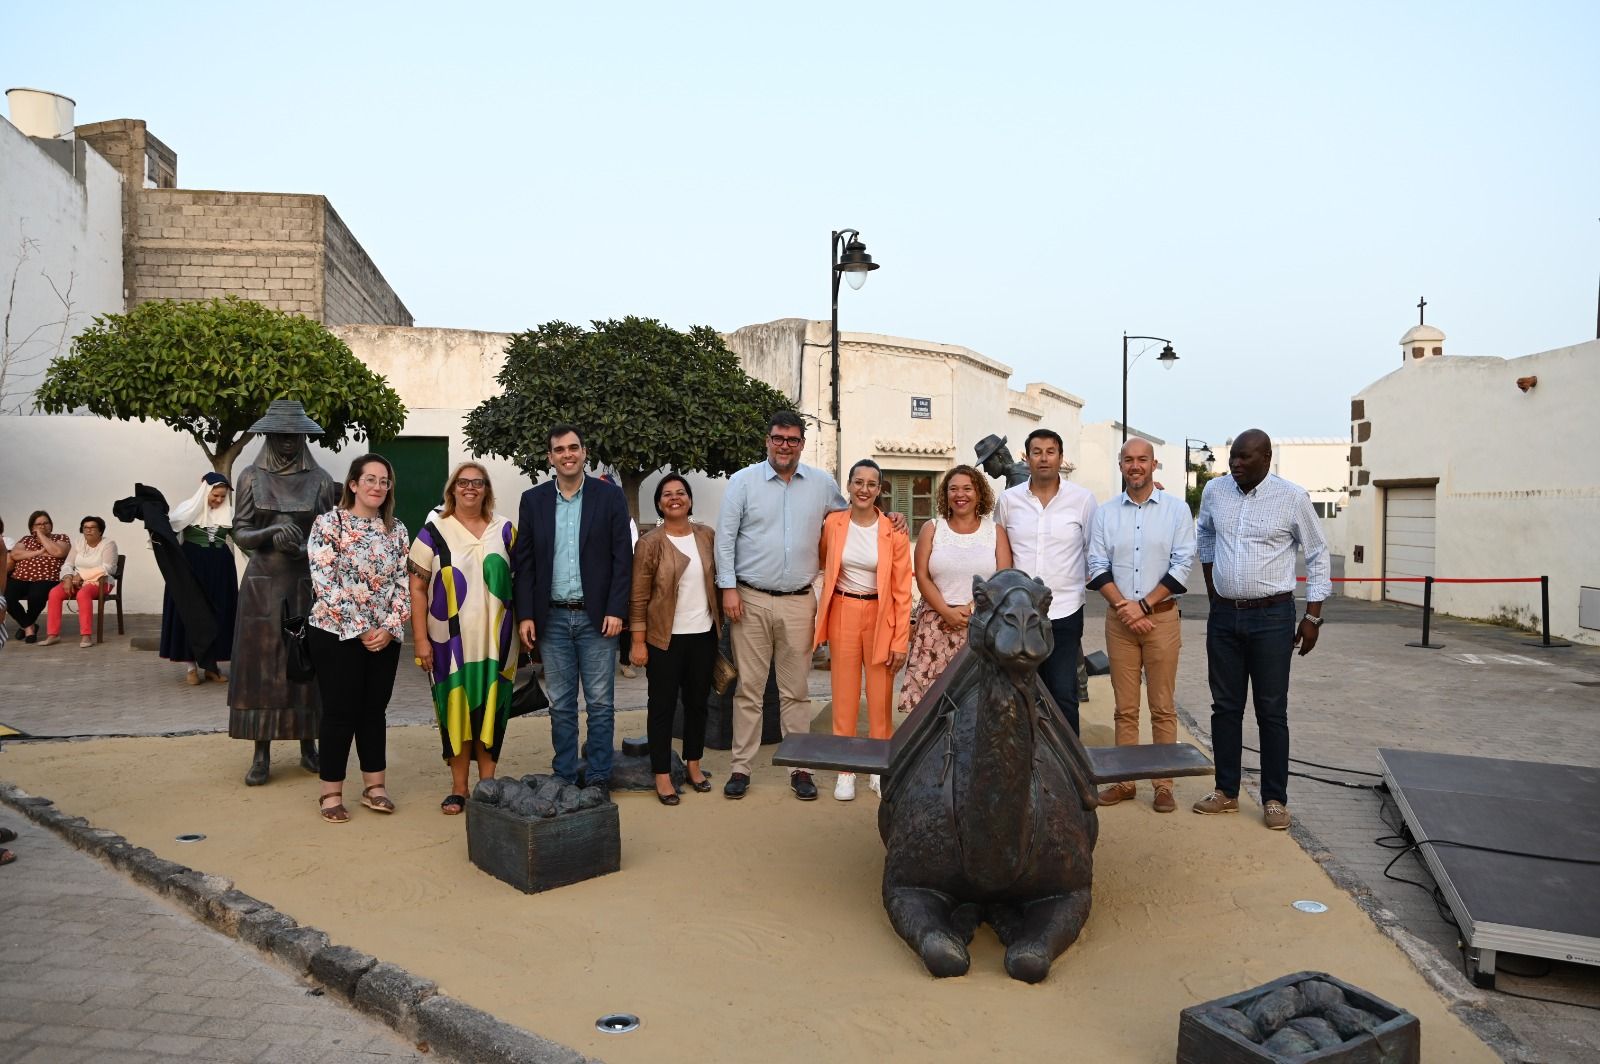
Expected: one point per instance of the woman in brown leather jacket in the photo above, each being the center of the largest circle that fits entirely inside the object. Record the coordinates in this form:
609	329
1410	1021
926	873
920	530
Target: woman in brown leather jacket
674	617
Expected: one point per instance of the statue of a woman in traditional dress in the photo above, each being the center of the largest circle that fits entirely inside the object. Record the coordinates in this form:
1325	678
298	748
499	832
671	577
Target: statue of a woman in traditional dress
275	501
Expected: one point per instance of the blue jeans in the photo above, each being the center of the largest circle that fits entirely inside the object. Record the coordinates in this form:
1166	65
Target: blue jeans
1060	669
573	650
1251	648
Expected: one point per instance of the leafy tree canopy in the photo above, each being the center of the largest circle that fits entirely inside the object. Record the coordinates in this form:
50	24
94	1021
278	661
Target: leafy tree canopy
210	369
644	395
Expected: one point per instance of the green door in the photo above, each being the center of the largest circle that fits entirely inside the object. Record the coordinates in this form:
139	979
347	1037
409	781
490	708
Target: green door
420	465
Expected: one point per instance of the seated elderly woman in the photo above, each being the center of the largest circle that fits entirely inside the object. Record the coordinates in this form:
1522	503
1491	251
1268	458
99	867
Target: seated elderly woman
88	573
35	569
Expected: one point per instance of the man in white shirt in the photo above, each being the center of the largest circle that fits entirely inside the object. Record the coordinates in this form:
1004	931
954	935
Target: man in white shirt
1048	520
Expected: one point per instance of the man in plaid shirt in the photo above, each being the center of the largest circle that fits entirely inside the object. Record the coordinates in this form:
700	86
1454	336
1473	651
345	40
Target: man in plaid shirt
1250	525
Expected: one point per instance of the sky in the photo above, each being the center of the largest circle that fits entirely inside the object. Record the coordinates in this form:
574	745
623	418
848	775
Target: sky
1270	186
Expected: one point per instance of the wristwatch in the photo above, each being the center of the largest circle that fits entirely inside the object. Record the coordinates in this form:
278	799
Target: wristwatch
1316	622
1146	607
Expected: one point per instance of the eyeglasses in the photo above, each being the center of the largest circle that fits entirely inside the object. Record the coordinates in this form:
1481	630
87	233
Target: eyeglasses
373	482
471	482
786	441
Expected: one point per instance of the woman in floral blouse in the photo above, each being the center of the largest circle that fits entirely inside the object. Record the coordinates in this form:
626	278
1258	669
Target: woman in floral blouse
358	571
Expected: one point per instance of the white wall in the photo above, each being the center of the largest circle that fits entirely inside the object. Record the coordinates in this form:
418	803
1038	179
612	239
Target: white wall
1519	478
61	243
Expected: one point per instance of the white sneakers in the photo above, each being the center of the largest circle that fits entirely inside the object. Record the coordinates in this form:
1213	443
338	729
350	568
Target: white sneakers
845	789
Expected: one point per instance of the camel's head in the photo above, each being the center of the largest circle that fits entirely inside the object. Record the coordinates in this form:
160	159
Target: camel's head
1011	621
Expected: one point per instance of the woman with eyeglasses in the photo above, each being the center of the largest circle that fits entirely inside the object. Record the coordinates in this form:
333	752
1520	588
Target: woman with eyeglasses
35	570
363	604
462	625
87	574
865	612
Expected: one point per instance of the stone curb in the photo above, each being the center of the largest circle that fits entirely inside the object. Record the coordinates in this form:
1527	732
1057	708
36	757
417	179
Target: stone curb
1469	1004
406	1003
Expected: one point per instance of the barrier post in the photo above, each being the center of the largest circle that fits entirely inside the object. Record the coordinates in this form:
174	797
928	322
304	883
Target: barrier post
1544	618
1427	616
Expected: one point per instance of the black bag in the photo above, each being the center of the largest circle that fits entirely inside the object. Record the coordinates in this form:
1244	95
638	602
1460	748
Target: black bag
529	698
296	647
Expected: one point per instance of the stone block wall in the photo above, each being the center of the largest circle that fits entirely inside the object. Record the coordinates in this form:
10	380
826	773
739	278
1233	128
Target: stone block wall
354	292
289	252
261	246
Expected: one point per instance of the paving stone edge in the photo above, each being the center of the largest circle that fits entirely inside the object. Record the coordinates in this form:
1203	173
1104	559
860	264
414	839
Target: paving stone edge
1469	1004
407	1003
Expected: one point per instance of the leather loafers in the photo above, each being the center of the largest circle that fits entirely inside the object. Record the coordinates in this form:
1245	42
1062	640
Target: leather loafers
703	786
804	788
737	784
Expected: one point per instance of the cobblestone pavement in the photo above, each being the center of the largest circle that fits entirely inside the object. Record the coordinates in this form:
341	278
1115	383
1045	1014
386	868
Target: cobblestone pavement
1485	694
94	967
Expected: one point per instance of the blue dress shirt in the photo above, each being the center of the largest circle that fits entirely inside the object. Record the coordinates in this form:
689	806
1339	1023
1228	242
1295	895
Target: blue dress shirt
1139	545
566	578
1249	539
768	529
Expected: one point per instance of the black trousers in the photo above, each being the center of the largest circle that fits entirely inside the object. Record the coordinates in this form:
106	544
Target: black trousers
684	668
37	593
355	685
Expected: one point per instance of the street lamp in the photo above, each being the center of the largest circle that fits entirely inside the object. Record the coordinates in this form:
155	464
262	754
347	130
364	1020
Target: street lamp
1195	447
850	260
1167	357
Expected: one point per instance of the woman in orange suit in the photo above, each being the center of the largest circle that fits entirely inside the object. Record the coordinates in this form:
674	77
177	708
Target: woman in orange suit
865	612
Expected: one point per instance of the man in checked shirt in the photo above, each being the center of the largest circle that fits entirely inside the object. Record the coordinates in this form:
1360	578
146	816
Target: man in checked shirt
1249	527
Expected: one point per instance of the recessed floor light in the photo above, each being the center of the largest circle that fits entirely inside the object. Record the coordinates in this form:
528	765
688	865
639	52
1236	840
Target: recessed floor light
1310	906
617	1023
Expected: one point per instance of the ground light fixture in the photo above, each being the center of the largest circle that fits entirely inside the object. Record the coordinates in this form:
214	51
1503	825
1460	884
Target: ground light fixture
617	1023
1307	906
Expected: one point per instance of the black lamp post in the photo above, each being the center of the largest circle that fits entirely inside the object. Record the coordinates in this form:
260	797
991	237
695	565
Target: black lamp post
850	260
1167	357
1194	447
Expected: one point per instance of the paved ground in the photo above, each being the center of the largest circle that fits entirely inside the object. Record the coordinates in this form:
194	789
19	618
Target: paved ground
95	968
1485	693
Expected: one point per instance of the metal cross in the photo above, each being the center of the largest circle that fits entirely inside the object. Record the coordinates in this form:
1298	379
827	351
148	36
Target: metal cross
1422	304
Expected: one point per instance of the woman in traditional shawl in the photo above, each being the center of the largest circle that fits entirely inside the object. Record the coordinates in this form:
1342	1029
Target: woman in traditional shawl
204	524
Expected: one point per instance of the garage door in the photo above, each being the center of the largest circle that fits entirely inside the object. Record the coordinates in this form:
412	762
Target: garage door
1407	541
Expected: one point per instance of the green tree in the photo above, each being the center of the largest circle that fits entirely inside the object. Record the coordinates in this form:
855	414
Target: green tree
644	395
1201	475
210	368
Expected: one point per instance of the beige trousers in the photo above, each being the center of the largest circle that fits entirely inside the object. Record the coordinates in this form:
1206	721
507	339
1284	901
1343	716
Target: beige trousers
1155	654
777	629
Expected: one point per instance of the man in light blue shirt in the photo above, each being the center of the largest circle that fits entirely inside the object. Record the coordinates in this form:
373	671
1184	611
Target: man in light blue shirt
1250	525
1140	550
767	535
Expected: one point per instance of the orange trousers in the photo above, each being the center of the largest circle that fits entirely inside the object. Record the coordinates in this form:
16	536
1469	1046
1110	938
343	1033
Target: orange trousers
1154	654
850	626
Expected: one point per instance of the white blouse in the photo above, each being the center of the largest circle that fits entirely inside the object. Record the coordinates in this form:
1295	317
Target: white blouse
693	614
858	565
90	562
957	557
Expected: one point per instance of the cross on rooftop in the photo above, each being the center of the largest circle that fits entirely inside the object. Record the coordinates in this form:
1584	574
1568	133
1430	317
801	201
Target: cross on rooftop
1422	311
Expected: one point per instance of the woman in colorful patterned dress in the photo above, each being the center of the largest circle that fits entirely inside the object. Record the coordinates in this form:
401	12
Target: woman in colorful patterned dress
461	623
961	543
358	571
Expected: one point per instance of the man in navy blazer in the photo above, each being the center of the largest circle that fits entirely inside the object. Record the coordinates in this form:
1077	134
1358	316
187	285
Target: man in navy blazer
572	569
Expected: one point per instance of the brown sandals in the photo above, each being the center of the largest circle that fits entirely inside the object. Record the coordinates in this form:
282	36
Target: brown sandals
379	803
333	814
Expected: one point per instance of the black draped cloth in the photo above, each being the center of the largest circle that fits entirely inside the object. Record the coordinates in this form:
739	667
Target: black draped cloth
149	506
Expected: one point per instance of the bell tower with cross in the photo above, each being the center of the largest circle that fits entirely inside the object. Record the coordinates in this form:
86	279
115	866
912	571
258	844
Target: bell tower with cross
1421	341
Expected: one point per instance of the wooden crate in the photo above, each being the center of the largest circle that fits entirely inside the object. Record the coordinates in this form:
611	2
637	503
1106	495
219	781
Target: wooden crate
538	854
1396	1040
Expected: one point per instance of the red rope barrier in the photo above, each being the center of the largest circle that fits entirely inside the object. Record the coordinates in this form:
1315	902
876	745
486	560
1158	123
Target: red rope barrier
1437	579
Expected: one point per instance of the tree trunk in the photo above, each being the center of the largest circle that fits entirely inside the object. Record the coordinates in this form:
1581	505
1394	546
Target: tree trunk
631	484
222	461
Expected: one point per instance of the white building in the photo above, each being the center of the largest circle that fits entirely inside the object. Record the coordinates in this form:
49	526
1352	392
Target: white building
1100	446
1320	464
60	241
1480	467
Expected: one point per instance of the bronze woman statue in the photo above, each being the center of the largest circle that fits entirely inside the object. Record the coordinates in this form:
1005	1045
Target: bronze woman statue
275	501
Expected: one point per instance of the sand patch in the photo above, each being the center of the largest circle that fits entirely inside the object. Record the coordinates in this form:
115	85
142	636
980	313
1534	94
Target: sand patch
745	930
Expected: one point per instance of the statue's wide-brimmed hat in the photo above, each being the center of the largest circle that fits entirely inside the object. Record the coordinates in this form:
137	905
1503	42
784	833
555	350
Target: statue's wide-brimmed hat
988	446
287	415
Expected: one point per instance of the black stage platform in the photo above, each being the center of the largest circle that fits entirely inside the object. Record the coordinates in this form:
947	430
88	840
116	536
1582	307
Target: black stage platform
1516	904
